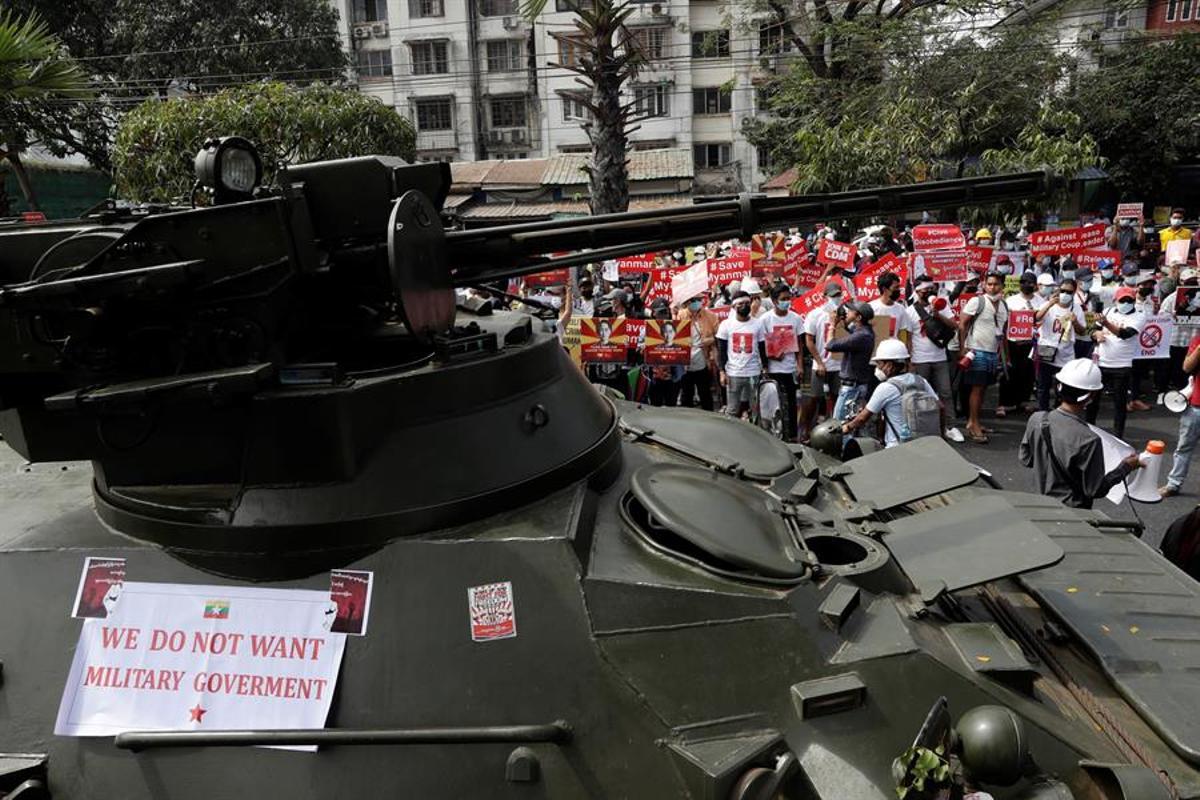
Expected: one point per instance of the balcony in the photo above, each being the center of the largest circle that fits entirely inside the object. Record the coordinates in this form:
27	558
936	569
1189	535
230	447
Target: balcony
504	139
437	140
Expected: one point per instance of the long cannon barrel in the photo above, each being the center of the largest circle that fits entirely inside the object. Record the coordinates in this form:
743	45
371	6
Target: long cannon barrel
513	250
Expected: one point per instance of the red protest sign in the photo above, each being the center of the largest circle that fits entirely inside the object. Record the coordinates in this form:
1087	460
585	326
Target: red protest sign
1020	325
602	339
836	254
668	342
722	271
979	258
721	312
635	332
635	266
938	237
867	280
781	340
1067	240
555	277
958	304
794	259
815	298
1129	211
1091	258
942	266
659	285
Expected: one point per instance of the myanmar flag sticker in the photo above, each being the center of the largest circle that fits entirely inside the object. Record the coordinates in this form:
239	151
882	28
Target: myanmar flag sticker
216	609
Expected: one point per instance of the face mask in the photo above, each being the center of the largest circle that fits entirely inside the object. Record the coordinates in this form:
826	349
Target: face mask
1027	288
1125	306
694	306
880	375
783	304
1065	298
1086	286
1176	221
1106	274
1131	281
743	311
1144	291
1046	291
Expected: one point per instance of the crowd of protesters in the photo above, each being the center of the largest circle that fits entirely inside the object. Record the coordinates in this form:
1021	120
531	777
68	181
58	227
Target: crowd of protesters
1017	323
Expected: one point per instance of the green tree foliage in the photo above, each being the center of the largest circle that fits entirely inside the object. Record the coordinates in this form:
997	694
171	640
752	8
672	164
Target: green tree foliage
133	50
1143	109
157	142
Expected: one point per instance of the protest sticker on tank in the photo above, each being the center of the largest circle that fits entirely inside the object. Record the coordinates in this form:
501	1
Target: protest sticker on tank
492	611
602	339
668	342
350	592
198	657
99	587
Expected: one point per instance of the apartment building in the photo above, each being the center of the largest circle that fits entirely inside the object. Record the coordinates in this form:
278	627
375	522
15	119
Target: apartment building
480	82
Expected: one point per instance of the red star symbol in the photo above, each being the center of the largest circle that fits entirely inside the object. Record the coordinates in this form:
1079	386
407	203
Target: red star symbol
197	713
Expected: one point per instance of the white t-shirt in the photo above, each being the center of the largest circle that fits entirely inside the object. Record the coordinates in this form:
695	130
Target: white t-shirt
990	320
819	325
923	350
1116	352
743	338
899	314
1019	302
1057	330
790	320
886	400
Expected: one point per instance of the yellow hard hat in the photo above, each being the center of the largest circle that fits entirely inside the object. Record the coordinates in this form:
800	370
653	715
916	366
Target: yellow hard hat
983	233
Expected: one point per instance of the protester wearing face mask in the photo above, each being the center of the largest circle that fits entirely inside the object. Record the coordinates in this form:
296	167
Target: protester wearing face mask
697	378
823	377
1089	301
1017	386
856	348
1119	327
1173	232
783	330
1127	237
929	356
741	354
1065	454
888	305
894	381
1060	321
1189	424
1143	386
981	330
584	303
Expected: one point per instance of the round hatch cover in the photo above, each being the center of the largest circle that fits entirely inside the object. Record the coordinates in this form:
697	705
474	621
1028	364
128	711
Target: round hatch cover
735	527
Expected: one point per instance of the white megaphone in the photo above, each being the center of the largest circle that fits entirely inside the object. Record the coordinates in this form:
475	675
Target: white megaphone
1142	485
1176	400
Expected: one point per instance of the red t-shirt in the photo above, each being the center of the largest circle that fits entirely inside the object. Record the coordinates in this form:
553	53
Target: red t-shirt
1195	398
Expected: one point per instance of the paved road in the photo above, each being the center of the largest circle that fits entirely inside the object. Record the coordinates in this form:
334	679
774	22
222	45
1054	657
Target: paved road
999	456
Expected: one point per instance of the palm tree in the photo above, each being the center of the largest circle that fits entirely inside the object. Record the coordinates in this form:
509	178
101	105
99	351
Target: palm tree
609	57
34	73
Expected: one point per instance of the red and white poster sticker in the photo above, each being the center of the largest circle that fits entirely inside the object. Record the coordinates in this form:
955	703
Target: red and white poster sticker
350	592
493	613
99	587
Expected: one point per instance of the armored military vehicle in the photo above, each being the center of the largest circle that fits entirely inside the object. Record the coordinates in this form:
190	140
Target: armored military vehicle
569	595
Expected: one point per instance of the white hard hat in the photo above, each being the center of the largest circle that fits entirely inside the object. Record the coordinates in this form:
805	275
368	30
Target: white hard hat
890	350
750	286
735	287
1045	279
1081	373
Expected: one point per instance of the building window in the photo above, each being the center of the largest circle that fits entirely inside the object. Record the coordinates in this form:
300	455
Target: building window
710	44
574	108
508	112
497	8
711	100
1179	10
764	158
651	101
570	51
712	155
1116	18
572	5
651	42
762	99
434	115
426	8
505	55
772	39
368	11
430	58
374	63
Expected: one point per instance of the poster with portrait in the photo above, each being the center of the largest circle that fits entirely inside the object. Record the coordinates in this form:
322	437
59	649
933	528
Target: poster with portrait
668	342
602	340
1187	305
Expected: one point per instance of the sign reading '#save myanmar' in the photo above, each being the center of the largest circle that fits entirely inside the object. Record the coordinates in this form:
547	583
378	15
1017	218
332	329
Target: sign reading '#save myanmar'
181	657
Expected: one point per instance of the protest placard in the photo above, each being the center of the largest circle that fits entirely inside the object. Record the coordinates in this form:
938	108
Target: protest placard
1154	339
979	258
198	657
938	237
668	342
781	339
571	339
867	280
1066	241
689	283
1177	252
723	271
795	259
836	254
602	339
636	266
1020	325
1129	211
767	247
1090	259
941	266
1187	305
635	333
1008	262
554	277
659	285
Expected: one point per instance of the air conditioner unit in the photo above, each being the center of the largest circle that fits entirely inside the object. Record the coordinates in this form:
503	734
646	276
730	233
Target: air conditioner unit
362	31
656	9
379	28
511	23
518	136
496	137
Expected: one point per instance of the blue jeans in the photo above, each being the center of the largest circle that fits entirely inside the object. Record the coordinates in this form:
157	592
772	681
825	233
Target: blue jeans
847	394
1189	434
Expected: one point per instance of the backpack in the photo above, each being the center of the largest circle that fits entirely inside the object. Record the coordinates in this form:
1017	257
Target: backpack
920	409
937	330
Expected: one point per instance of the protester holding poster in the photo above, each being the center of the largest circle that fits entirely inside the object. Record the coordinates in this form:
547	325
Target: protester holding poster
1126	236
1060	320
1184	329
891	316
611	371
982	327
1017	387
1174	232
702	360
929	339
783	329
823	378
1118	342
741	353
